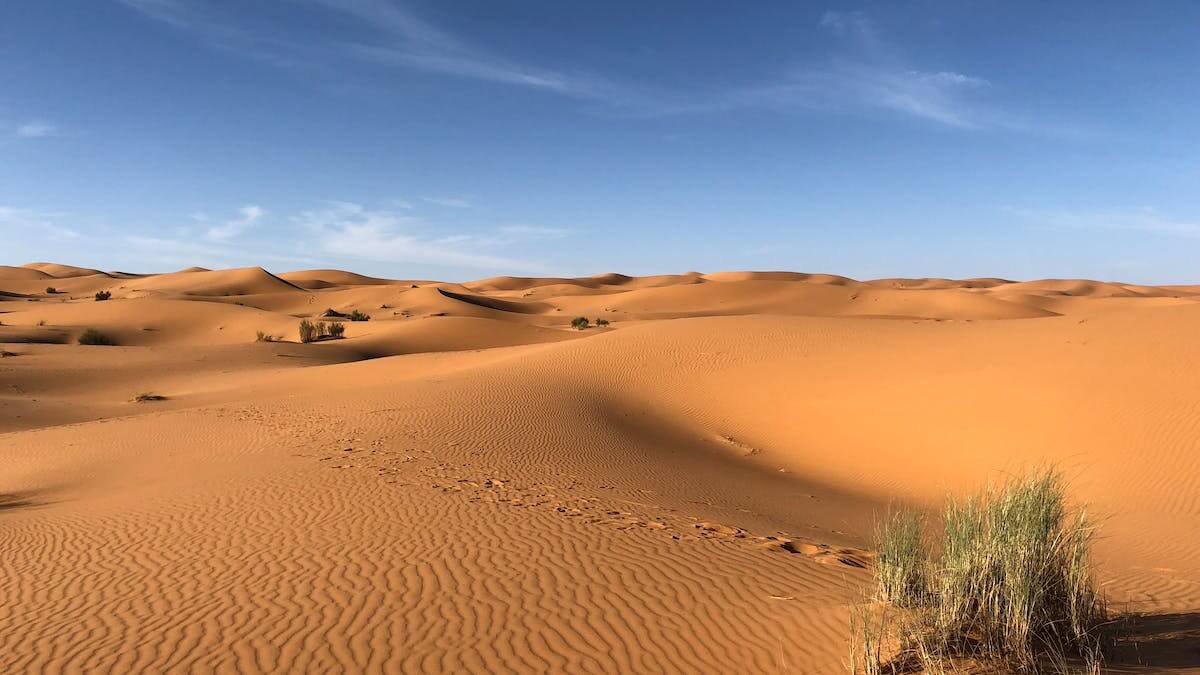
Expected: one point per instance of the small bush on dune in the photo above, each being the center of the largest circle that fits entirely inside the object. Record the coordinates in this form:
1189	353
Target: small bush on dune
321	330
146	397
1007	584
358	316
92	336
50	290
308	331
580	323
260	336
601	322
103	295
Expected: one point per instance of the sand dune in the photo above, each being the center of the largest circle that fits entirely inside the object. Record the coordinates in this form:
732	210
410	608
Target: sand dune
465	483
63	271
245	281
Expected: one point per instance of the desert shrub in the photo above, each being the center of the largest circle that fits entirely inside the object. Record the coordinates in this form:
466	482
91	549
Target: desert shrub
308	331
356	315
337	329
92	336
146	396
580	323
50	290
260	336
601	322
103	295
1007	583
322	329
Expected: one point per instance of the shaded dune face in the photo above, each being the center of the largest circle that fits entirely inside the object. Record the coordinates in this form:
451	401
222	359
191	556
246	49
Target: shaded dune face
465	482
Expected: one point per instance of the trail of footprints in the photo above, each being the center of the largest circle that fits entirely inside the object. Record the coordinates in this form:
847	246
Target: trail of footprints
567	500
421	467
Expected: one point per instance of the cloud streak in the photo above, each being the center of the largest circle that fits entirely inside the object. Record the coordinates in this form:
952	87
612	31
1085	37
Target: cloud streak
27	223
451	202
1136	220
350	230
248	216
865	74
36	129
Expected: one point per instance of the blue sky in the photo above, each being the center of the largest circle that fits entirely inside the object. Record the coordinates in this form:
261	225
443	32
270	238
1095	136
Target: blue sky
456	140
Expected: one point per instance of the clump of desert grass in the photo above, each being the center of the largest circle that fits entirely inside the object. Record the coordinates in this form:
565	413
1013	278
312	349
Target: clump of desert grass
580	323
91	336
321	330
147	397
602	322
1006	584
261	336
101	296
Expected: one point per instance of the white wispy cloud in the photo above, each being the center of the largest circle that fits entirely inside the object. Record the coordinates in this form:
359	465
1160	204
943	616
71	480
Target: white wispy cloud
534	232
863	74
351	230
36	129
394	36
452	202
866	73
1144	219
248	216
31	223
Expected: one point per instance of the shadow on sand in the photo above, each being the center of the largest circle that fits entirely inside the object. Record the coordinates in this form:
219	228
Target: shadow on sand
1157	641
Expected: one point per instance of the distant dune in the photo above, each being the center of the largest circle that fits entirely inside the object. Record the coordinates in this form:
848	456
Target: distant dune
465	482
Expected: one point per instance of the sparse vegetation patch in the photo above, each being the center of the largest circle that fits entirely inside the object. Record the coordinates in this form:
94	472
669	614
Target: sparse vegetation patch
103	295
92	336
1005	584
580	323
308	331
321	330
357	316
146	397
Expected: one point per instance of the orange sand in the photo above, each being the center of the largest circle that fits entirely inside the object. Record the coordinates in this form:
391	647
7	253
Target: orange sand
465	483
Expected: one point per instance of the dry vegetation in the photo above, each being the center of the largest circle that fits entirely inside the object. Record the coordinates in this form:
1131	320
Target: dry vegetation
321	330
92	336
1006	585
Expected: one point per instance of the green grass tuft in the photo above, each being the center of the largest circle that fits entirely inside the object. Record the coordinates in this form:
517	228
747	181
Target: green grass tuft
1007	583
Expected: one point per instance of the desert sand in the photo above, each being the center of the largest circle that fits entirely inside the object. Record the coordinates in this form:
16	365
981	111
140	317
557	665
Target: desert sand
465	483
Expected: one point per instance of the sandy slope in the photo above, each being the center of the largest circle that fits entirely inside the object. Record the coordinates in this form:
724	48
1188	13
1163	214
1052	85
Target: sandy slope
467	484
